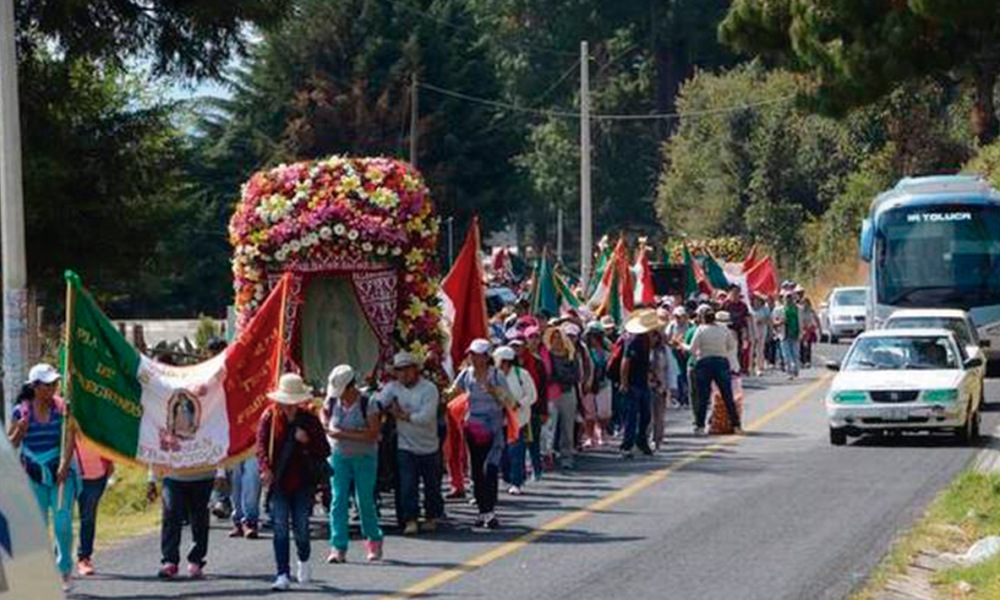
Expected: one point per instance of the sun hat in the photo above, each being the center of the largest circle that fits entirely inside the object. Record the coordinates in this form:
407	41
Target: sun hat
571	329
43	373
291	390
340	378
680	311
404	359
549	337
643	322
480	346
504	353
722	317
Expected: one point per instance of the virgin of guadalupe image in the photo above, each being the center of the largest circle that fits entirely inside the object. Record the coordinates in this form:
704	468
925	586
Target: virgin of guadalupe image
183	414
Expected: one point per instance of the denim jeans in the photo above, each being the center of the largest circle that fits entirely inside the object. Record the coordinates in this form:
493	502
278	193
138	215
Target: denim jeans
89	498
62	517
185	499
359	471
790	353
515	464
715	370
245	484
414	469
637	418
296	509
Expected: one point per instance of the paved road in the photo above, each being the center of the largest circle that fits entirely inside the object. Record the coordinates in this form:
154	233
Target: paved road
777	515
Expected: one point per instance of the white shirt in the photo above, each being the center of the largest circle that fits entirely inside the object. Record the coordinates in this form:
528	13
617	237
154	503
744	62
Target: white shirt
419	435
522	389
713	341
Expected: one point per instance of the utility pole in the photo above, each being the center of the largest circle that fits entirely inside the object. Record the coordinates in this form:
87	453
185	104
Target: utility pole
586	216
414	119
15	276
559	235
451	242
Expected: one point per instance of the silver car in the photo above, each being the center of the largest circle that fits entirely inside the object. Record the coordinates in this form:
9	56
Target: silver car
843	313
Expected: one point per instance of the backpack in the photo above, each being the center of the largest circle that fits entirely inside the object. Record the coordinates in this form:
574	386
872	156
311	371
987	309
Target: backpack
615	361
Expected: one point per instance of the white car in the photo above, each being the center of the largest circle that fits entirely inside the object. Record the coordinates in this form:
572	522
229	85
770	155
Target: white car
954	320
843	313
905	380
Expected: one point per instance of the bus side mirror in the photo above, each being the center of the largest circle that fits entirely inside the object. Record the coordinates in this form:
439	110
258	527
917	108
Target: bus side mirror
867	245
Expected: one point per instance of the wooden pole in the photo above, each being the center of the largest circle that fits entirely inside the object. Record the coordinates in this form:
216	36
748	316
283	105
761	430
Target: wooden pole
279	362
67	381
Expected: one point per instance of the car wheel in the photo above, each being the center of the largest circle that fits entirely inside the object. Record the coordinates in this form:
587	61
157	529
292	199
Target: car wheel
838	437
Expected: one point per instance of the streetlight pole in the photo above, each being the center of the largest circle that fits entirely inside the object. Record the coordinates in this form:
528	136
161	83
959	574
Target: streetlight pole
15	276
586	223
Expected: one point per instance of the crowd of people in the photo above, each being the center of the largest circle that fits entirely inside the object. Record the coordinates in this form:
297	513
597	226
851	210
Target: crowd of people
526	402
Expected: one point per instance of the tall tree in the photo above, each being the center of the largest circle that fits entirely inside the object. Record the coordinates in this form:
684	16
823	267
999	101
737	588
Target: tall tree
860	51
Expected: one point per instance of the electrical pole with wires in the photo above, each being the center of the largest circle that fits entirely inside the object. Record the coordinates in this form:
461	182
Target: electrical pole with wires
586	223
414	120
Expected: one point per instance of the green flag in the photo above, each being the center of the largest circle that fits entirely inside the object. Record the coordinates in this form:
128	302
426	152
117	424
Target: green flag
713	271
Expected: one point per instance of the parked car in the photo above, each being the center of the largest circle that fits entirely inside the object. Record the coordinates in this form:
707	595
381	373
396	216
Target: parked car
843	313
956	321
895	380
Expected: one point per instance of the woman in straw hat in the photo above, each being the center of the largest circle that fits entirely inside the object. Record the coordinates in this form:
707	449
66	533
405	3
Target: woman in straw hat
352	426
484	427
566	374
290	440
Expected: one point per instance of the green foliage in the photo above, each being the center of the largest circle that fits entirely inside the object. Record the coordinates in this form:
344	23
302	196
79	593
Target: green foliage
859	52
986	163
207	332
194	38
727	249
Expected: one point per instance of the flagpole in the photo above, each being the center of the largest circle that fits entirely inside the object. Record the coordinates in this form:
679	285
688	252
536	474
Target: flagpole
67	383
281	356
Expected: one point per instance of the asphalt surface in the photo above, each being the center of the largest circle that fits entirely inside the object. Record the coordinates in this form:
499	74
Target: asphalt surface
779	514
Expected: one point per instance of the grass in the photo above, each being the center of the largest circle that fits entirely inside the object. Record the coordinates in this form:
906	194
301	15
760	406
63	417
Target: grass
124	512
968	510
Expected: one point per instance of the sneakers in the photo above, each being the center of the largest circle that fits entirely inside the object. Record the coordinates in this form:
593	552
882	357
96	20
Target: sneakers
492	522
67	583
430	525
168	571
304	573
411	528
628	454
84	567
455	495
252	532
196	571
281	583
699	431
514	490
739	431
374	551
236	531
646	450
336	557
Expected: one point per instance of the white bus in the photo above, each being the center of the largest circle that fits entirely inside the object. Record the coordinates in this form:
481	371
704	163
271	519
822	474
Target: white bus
934	242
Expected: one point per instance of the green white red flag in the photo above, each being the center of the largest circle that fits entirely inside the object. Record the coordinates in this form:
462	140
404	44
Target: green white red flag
167	417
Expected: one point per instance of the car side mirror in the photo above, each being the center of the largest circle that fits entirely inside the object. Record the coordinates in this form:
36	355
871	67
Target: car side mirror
832	365
984	343
974	362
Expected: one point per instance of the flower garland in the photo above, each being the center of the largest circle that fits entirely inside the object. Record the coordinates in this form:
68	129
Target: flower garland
367	208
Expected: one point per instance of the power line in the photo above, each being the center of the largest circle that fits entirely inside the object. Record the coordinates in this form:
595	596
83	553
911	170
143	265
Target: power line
565	114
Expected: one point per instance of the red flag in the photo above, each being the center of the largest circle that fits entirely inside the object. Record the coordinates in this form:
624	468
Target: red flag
253	365
762	278
751	260
464	297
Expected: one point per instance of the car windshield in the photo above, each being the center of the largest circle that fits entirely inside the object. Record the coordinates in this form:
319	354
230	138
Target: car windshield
945	255
955	325
849	298
901	353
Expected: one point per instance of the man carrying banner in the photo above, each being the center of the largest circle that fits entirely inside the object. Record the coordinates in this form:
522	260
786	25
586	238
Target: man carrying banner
185	495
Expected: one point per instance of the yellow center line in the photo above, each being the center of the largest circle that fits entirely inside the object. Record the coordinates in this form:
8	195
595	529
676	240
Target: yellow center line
452	573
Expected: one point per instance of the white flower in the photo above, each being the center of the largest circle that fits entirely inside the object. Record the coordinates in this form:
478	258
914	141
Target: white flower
367	247
397	251
339	229
312	239
295	246
280	255
326	233
353	235
382	250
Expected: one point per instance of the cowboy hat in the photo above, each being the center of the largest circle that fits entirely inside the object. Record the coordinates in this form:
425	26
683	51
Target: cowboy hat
291	390
723	317
643	322
340	378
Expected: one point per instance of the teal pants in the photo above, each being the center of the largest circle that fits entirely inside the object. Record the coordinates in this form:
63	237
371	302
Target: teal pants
360	471
62	518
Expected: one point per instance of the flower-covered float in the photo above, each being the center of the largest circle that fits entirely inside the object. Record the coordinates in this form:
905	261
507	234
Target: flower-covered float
359	237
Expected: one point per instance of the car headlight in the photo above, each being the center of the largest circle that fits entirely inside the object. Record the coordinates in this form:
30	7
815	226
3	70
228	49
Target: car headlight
849	397
940	396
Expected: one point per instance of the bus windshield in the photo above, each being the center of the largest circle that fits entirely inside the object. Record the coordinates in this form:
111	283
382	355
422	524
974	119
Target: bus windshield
939	256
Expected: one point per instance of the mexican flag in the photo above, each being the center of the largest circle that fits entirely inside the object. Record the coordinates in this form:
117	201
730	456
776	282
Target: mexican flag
615	294
645	294
694	277
171	418
551	293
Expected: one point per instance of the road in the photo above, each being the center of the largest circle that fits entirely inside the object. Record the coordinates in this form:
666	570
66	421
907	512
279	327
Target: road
777	515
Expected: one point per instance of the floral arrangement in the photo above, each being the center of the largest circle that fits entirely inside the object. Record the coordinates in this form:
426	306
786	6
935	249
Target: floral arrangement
368	208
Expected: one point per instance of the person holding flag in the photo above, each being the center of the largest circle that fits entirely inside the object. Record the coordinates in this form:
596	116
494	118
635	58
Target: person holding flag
37	429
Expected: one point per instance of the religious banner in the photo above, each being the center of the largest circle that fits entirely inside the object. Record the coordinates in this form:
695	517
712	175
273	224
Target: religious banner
171	418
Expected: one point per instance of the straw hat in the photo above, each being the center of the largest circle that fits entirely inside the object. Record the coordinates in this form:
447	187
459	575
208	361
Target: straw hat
722	317
643	322
291	390
549	338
